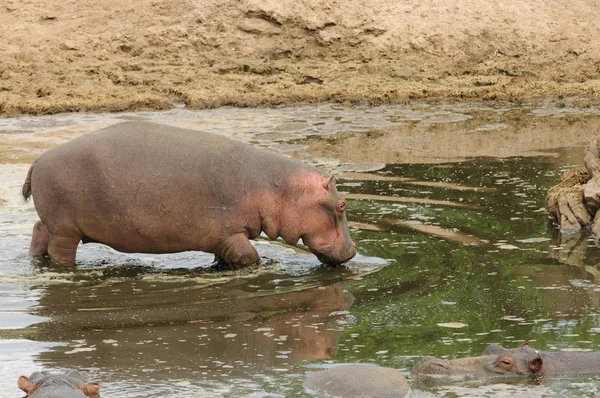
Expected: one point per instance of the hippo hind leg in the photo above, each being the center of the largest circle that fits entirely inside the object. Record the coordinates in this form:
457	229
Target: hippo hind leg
236	251
62	244
39	240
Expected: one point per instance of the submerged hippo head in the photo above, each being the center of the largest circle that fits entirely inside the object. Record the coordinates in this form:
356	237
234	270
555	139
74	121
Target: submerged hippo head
495	361
323	224
64	385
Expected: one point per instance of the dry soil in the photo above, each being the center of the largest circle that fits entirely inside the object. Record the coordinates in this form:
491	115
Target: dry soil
111	55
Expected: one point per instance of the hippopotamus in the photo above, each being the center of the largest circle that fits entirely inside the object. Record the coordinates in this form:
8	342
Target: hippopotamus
150	188
358	380
69	384
497	361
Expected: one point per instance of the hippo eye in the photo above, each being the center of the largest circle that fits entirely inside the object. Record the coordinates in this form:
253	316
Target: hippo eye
341	206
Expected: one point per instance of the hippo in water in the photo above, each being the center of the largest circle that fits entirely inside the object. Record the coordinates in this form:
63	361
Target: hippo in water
64	385
150	188
358	380
497	361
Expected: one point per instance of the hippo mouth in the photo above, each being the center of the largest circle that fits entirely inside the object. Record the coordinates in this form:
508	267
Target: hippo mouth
335	261
328	260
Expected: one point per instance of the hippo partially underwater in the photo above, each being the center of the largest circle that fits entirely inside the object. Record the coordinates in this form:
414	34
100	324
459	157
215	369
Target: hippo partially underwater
70	384
358	380
497	361
365	380
150	188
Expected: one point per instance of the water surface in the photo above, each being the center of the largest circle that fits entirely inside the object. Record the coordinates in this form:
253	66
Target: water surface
446	204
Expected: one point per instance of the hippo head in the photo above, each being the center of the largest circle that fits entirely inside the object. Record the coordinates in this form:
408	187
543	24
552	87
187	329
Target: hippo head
325	228
523	360
496	361
64	385
319	219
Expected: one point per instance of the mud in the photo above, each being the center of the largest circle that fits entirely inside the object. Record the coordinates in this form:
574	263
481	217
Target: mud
64	56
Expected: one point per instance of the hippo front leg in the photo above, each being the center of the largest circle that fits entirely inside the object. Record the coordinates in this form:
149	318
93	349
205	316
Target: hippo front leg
237	251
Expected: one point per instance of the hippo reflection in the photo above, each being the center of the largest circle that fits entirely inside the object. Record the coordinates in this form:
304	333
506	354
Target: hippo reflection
69	384
234	325
497	361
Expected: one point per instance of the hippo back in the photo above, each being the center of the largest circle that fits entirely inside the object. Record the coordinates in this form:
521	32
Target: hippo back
358	380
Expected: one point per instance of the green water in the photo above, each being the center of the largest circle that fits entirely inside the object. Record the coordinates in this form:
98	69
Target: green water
514	288
492	269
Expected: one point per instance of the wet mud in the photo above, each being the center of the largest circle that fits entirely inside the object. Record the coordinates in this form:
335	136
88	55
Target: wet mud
455	251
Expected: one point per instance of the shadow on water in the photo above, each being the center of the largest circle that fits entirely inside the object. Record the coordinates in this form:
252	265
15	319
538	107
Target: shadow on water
446	205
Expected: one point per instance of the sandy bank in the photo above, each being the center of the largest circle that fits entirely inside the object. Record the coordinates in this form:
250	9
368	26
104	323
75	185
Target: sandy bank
111	55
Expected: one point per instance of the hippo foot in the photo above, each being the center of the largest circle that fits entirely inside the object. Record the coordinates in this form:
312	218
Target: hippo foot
221	265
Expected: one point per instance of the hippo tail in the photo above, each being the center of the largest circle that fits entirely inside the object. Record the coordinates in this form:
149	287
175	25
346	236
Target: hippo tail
27	185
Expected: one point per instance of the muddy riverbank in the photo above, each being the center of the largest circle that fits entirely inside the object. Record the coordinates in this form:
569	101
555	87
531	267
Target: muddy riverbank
59	56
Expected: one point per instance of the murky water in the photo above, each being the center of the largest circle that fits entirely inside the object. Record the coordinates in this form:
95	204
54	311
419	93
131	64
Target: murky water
455	253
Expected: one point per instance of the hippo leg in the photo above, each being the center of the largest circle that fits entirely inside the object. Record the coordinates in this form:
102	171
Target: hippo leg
62	245
237	251
39	240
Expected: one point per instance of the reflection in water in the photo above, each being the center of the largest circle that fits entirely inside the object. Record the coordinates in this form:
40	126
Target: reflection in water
446	205
144	331
572	249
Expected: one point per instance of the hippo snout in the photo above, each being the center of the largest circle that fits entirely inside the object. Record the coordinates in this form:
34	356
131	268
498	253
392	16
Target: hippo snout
335	259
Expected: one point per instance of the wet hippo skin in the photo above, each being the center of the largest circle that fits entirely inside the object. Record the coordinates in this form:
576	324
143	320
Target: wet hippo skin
358	380
69	384
497	361
150	188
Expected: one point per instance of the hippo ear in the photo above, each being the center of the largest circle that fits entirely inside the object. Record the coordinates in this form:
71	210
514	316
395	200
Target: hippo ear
525	345
90	388
536	364
327	183
26	385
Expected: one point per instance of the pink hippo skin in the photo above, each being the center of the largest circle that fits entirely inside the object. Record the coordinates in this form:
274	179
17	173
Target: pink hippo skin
150	188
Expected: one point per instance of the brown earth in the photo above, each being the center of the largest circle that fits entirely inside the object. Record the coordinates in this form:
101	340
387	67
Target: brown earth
113	55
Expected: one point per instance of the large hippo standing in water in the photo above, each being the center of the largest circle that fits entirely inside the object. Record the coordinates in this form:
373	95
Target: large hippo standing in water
497	361
150	188
64	385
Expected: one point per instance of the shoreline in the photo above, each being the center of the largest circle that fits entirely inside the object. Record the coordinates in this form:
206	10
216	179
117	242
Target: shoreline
538	93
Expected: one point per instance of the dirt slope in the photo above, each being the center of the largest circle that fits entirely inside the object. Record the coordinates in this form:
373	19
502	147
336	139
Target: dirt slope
116	55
